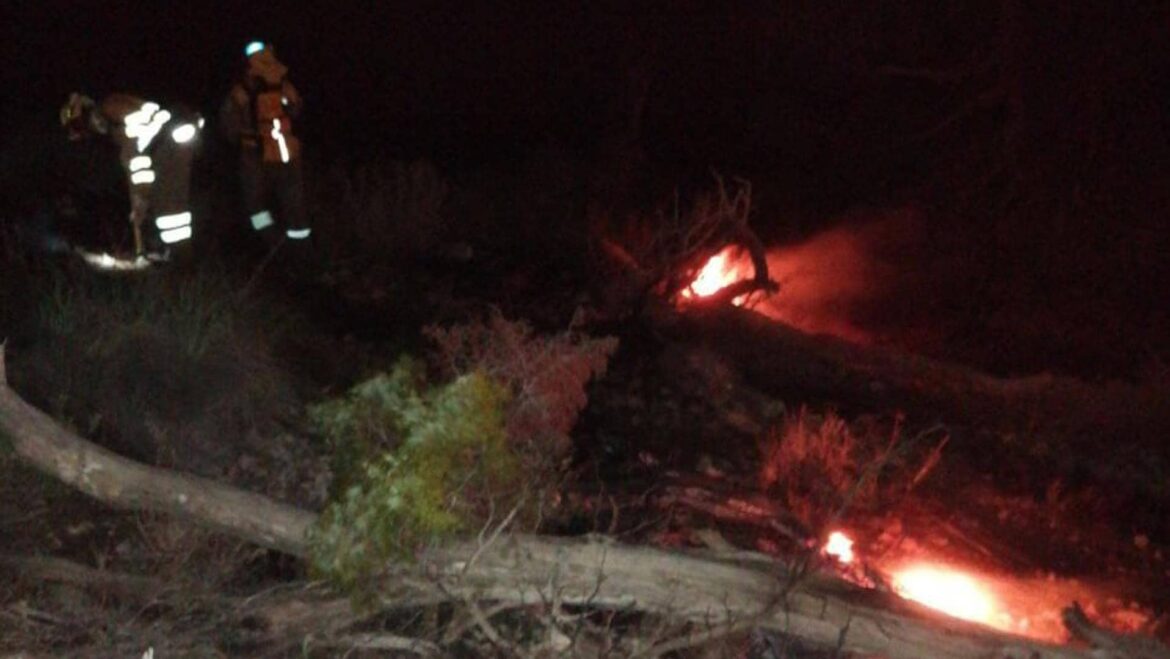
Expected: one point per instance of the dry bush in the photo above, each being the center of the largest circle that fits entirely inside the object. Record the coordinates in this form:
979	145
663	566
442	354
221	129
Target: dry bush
822	467
546	375
184	555
817	465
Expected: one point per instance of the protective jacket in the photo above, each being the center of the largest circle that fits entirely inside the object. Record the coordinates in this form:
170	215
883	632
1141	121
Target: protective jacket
260	110
156	147
258	115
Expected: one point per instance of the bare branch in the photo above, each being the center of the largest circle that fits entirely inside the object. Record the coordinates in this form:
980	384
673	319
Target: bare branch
382	641
59	570
694	639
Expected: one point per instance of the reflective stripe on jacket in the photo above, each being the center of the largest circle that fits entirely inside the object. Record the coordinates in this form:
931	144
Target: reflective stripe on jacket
262	120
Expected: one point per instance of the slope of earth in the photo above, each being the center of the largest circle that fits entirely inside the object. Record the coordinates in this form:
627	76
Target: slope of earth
1035	484
1043	483
723	429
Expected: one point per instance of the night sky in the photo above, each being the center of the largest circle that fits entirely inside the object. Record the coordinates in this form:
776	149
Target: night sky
400	74
471	76
728	79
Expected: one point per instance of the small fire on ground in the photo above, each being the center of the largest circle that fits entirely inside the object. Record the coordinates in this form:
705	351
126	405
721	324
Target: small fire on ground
820	282
1029	607
721	270
955	593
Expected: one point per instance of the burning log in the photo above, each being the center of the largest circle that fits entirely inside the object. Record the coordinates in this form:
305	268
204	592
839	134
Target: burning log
663	266
706	591
781	360
725	224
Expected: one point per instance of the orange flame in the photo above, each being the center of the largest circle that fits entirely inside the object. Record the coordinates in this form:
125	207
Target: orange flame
720	271
1016	605
821	281
953	592
840	546
944	589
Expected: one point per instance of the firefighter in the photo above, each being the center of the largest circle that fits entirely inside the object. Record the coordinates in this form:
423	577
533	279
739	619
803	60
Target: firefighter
156	148
258	115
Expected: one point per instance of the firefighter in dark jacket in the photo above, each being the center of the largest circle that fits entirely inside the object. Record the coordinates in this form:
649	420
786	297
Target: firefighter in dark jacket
258	115
156	147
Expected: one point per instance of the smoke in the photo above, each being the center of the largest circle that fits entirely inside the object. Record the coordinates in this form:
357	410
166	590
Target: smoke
839	281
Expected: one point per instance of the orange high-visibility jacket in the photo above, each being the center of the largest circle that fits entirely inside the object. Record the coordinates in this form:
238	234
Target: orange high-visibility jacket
259	111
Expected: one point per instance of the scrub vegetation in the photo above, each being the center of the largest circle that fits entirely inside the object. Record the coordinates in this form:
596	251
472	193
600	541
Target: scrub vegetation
160	367
415	463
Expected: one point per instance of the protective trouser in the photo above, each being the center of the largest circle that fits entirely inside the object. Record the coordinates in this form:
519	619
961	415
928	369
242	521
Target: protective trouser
170	196
158	150
274	198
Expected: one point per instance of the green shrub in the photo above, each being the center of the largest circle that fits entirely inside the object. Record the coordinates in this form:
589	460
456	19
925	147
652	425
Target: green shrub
414	465
448	468
368	420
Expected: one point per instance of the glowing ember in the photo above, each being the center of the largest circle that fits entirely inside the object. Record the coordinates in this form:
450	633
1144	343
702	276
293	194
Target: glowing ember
840	546
951	592
1031	607
721	270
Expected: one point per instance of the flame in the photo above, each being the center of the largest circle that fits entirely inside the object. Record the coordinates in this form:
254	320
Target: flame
722	270
951	591
946	589
821	282
1029	606
840	546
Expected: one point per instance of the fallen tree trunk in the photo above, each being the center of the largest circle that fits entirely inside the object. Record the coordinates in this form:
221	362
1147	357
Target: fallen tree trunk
710	592
705	589
46	569
45	444
770	352
268	619
784	361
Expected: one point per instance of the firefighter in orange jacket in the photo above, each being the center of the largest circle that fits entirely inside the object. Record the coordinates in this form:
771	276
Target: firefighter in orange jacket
258	115
156	147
